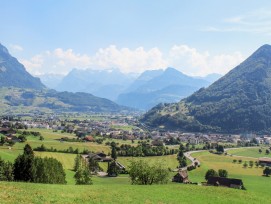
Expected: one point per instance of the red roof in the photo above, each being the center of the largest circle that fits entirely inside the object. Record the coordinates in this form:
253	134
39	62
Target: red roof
89	138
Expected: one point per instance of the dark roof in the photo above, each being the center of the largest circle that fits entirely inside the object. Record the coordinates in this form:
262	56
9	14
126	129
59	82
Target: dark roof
183	174
224	181
264	159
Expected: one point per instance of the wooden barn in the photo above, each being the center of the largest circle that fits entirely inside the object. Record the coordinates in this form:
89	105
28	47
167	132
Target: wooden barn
181	177
265	161
225	182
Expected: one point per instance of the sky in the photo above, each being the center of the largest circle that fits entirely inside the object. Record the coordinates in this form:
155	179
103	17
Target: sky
196	37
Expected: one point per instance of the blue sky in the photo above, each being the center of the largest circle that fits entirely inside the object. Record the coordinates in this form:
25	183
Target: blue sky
196	37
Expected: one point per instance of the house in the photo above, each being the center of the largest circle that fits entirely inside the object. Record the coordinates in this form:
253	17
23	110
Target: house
181	177
225	182
89	138
5	131
265	161
12	138
100	157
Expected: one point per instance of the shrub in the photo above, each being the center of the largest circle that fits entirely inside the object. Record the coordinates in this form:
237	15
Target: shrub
210	173
143	173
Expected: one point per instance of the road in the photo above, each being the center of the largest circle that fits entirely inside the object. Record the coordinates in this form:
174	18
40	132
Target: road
192	159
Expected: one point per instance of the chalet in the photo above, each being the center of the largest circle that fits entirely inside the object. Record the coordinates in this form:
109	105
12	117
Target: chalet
100	157
225	182
181	177
265	161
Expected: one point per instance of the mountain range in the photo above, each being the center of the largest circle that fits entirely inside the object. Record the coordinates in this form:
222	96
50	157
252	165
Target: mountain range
160	86
139	92
21	91
103	83
238	102
13	73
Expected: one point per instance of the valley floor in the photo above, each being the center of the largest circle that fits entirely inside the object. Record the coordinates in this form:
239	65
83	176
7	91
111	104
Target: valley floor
119	190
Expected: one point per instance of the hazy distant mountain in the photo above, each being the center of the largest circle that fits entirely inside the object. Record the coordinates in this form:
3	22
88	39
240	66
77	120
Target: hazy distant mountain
156	86
13	73
238	102
21	92
51	80
18	100
143	79
103	83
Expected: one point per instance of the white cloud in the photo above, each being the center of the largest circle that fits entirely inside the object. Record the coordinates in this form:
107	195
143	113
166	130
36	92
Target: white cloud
16	47
186	59
257	21
128	60
57	61
191	61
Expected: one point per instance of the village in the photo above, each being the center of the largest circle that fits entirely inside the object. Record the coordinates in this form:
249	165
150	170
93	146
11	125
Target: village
129	129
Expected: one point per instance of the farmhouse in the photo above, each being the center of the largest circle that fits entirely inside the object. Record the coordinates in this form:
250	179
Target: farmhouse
100	157
265	161
225	182
181	177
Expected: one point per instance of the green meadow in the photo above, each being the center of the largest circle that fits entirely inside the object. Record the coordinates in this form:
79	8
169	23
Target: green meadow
250	152
119	190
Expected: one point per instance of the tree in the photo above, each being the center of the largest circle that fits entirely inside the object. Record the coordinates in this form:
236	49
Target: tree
143	173
234	161
2	140
245	165
220	148
93	165
187	146
114	152
260	151
82	175
48	170
113	169
77	162
223	173
6	170
22	138
180	157
251	163
267	171
267	151
240	161
210	173
23	166
41	138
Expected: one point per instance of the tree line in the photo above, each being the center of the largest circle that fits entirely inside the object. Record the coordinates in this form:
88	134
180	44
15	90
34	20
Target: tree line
29	168
143	149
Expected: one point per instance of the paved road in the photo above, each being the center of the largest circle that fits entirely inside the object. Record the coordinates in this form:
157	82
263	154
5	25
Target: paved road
192	159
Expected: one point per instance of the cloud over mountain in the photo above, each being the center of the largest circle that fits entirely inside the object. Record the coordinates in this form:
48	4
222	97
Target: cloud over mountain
187	59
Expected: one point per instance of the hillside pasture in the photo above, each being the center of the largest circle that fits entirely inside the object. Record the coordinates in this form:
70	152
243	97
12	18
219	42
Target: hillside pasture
250	152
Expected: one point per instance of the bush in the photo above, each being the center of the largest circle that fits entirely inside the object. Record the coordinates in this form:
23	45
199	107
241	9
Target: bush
267	171
143	173
223	173
210	173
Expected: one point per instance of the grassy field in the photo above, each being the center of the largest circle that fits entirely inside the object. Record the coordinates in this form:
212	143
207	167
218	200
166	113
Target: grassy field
250	152
119	190
252	177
